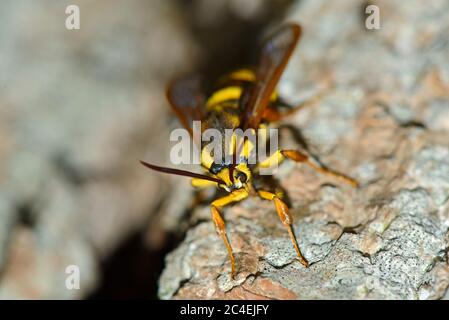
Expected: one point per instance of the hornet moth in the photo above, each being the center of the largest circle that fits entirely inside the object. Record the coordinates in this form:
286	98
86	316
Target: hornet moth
245	99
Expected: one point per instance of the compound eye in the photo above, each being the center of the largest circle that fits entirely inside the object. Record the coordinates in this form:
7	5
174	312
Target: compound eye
242	177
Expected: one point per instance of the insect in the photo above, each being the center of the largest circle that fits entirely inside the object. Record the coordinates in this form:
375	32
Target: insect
245	99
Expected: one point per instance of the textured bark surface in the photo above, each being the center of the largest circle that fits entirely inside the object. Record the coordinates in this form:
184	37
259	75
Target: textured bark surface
79	108
383	119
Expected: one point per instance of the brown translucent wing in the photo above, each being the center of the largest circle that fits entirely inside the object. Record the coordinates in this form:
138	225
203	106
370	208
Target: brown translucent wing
274	57
187	100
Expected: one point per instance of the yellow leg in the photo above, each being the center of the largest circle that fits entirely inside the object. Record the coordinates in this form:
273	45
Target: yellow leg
301	157
220	226
279	156
274	160
286	219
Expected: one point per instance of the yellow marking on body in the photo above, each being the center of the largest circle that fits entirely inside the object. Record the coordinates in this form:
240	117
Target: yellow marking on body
243	75
201	183
206	158
225	94
233	143
262	134
234	119
224	175
248	145
247	148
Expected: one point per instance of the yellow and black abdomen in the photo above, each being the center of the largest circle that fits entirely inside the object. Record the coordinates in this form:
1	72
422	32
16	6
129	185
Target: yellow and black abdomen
230	89
223	104
223	107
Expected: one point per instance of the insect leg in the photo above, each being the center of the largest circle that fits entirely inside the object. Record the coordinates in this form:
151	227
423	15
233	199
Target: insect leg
220	226
286	219
301	157
274	160
273	114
